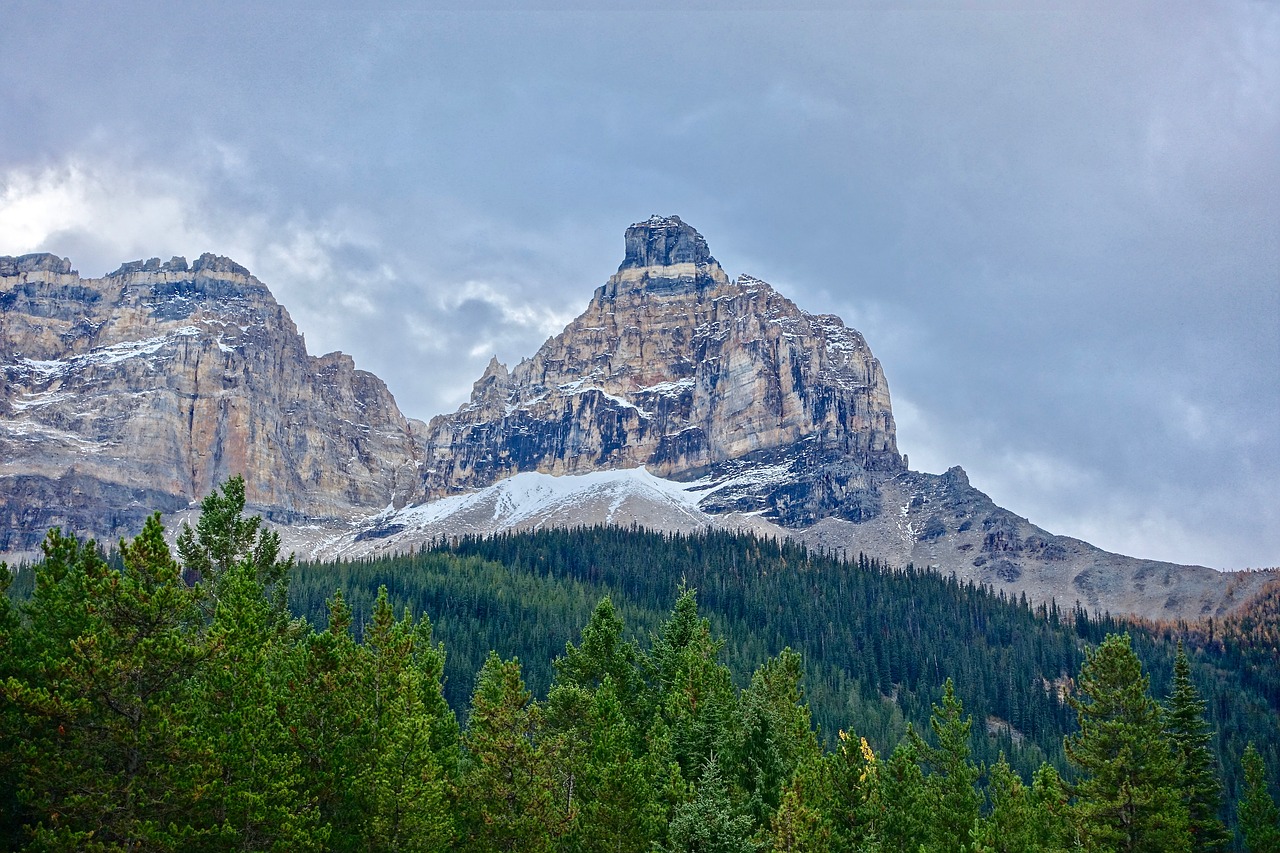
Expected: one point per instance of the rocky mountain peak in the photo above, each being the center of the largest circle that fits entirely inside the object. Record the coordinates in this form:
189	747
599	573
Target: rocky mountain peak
664	254
663	241
142	389
676	368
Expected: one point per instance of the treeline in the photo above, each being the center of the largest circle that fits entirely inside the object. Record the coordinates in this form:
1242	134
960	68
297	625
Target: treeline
878	643
173	702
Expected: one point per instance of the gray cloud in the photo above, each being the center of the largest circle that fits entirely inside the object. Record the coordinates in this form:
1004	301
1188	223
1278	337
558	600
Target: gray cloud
1057	224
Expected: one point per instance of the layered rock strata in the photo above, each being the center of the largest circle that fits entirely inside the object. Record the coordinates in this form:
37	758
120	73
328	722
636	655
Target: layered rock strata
140	390
677	368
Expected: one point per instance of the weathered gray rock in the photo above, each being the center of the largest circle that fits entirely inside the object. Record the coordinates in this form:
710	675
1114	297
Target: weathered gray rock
676	368
140	390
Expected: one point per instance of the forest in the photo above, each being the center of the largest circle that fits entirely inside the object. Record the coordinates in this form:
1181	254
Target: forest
607	689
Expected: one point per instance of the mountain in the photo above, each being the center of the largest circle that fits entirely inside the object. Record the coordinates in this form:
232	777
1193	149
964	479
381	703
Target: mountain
140	390
679	399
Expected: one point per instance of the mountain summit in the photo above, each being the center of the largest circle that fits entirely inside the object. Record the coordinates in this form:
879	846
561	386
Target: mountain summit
679	399
676	368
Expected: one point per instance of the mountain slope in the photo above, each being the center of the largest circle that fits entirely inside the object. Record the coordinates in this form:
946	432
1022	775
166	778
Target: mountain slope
138	391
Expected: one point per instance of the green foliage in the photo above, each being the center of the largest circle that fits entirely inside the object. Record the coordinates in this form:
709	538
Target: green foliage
108	754
1259	817
1191	738
953	800
1128	798
507	798
1022	819
709	823
144	711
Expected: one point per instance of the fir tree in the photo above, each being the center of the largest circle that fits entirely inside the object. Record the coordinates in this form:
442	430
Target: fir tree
1128	799
1259	817
1191	738
110	753
953	800
709	823
907	821
507	801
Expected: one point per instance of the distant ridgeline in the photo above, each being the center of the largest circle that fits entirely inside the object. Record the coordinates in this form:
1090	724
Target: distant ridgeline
619	689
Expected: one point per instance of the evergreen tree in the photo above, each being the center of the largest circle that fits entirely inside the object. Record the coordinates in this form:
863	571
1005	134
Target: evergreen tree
603	652
1020	820
619	810
953	801
1191	738
260	800
109	754
12	816
907	822
709	823
698	704
329	724
1128	799
776	730
1259	817
851	793
223	538
405	783
506	796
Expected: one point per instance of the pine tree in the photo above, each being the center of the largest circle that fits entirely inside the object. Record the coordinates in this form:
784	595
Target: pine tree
407	809
697	701
777	732
260	800
1128	799
619	810
110	754
1191	737
1020	820
850	793
797	827
1259	817
604	652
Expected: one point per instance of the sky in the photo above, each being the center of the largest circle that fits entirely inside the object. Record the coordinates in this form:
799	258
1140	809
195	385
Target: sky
1057	224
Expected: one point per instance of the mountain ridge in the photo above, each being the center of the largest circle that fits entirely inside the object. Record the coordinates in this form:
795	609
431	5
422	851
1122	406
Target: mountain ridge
729	405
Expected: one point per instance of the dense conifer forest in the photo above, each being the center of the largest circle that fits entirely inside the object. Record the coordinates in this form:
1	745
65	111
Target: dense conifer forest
607	689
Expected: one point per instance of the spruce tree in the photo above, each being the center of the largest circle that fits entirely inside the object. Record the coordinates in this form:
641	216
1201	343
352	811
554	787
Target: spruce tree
1190	734
709	823
907	819
953	800
1128	799
110	755
1259	817
506	794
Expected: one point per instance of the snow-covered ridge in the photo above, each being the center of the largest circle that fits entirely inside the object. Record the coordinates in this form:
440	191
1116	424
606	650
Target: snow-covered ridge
529	495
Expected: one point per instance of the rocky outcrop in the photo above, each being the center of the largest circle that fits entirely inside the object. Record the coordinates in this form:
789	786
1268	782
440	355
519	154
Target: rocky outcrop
140	390
677	368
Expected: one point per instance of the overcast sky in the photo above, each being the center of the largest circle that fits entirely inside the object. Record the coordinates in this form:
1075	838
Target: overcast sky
1058	225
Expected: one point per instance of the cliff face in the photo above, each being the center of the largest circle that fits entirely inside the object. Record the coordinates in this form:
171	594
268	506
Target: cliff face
678	400
140	390
678	369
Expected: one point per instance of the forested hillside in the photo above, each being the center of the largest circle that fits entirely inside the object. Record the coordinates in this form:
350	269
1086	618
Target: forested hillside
878	644
664	699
